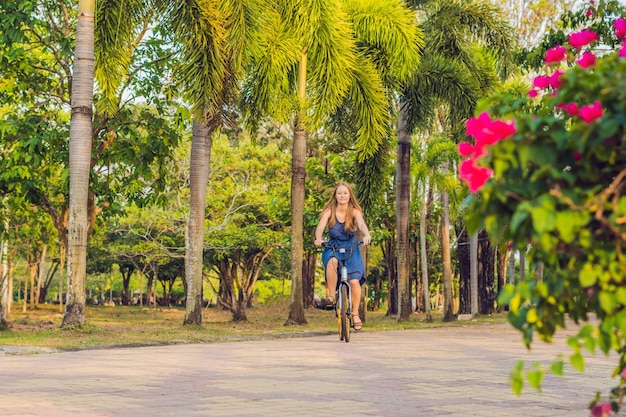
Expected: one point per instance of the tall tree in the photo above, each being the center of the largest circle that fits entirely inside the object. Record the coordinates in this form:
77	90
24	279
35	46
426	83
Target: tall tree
319	57
36	125
432	152
80	163
245	221
454	73
215	39
4	270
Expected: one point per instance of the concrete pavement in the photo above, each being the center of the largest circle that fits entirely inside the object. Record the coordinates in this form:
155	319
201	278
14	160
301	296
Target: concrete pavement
460	372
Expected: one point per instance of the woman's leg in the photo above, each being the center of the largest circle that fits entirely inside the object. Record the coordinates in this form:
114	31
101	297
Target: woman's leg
355	289
331	277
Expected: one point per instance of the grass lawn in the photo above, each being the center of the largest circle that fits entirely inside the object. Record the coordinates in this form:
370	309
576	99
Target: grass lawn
137	326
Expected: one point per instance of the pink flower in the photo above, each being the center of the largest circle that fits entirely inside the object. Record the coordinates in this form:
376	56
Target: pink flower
591	112
587	60
488	132
541	81
582	38
589	13
623	373
555	79
572	109
577	157
555	54
474	175
601	410
532	93
466	149
622	51
620	28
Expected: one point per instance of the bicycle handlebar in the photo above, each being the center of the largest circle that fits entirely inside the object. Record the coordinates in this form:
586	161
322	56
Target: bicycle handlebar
327	245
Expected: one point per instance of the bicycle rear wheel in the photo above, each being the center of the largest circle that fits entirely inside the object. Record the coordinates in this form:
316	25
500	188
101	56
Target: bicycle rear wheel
344	313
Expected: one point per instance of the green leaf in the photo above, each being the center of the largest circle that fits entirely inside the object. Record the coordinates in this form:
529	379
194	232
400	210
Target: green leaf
566	223
515	303
608	301
578	362
535	376
518	218
516	377
620	320
620	295
587	276
506	294
557	367
544	219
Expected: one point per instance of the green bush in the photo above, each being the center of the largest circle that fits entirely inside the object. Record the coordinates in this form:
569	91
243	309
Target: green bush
558	184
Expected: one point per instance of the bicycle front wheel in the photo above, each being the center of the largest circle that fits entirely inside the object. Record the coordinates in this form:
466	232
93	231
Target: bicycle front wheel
344	313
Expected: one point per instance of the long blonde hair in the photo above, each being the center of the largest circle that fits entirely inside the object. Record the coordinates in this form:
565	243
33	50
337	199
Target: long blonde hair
350	221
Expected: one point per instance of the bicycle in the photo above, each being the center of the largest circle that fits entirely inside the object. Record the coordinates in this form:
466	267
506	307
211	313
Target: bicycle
343	293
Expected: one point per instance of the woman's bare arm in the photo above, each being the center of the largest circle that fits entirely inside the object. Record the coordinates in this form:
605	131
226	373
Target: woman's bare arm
363	227
319	231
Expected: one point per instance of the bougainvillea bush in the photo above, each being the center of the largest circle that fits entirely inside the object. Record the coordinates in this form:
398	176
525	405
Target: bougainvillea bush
548	171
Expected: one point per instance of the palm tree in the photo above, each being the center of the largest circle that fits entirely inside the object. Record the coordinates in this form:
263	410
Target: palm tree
431	154
321	56
109	62
80	163
443	92
4	269
212	38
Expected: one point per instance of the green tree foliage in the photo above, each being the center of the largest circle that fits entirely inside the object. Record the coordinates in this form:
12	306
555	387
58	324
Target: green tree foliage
245	217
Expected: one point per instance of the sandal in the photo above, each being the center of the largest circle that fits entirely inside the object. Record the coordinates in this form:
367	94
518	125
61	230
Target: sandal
328	301
357	324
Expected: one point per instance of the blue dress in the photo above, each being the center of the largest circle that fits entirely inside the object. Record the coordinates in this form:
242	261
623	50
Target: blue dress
339	237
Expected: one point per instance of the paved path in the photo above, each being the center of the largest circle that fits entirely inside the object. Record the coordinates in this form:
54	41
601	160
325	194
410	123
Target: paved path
458	372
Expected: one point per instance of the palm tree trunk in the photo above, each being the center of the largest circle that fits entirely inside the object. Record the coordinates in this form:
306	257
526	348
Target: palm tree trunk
463	255
4	278
511	266
448	313
80	164
474	274
298	175
522	266
403	187
486	276
424	256
198	179
502	259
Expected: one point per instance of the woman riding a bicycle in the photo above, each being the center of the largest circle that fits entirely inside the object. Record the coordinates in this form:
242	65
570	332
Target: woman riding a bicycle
343	217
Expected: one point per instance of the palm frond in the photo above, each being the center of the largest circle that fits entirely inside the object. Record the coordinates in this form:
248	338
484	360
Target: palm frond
332	54
118	24
370	107
456	22
199	26
371	177
440	80
389	30
268	88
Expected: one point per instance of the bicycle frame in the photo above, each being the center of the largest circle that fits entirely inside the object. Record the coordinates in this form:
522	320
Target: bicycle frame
343	292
